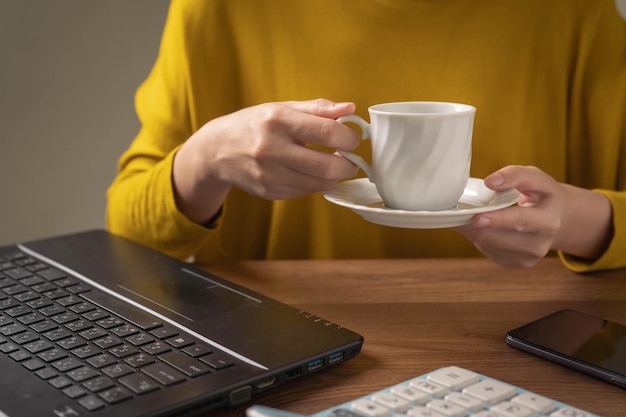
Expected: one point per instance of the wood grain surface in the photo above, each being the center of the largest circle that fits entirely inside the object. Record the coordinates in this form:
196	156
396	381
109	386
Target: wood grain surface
423	314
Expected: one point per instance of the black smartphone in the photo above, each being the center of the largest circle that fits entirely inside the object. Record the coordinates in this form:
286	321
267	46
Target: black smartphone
577	340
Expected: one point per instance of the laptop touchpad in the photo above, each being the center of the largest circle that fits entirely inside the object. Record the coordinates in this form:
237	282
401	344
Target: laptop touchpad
188	295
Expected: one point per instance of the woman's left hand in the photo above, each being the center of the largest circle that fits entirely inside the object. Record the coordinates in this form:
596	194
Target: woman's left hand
549	216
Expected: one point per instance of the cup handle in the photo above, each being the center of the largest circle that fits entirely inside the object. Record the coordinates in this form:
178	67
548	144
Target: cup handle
365	134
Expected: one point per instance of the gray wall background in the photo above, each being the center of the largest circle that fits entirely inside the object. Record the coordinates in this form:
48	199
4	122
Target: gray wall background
68	73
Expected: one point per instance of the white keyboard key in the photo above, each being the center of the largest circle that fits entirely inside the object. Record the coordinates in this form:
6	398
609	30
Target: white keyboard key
446	408
535	402
509	409
430	388
470	403
486	413
392	402
570	412
423	412
412	395
490	391
370	409
454	378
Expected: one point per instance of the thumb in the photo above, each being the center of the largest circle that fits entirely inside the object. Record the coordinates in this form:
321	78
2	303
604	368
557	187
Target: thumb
523	178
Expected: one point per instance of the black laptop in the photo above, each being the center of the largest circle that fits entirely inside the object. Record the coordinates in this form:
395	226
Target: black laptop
94	325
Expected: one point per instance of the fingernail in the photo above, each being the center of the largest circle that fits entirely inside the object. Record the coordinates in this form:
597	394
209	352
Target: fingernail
495	180
342	104
482	221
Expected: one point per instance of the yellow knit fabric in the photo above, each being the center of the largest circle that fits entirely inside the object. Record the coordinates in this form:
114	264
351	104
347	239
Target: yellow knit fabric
548	79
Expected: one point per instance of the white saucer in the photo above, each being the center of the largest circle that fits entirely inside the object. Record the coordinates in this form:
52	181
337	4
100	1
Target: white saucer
361	196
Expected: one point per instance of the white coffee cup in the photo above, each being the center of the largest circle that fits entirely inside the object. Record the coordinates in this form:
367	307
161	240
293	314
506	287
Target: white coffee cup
421	152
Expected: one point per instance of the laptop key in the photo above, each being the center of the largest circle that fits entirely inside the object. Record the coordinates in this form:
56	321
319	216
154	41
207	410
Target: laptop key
9	347
60	382
218	361
163	373
82	374
86	352
16	289
140	339
57	334
11	329
72	342
39	303
197	350
25	337
184	363
8	303
115	395
91	403
139	383
33	364
17	273
19	355
38	346
52	355
164	332
51	274
46	373
180	341
140	359
123	351
75	391
31	318
156	348
7	282
98	384
125	330
67	364
101	360
117	370
43	326
93	333
96	314
17	311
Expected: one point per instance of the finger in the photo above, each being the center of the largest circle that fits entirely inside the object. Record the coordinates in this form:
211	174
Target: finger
323	108
285	183
504	247
512	219
526	179
327	133
318	164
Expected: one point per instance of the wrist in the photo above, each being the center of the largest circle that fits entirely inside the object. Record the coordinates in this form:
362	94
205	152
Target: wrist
589	227
198	195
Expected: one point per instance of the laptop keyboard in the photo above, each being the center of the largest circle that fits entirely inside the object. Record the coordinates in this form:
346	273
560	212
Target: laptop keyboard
65	332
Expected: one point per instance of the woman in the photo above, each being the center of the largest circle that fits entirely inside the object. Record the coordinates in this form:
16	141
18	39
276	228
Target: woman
234	149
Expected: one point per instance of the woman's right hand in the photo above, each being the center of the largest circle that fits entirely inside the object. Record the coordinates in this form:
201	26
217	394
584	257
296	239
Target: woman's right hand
263	151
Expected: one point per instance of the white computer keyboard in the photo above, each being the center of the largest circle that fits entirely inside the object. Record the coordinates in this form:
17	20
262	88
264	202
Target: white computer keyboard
445	392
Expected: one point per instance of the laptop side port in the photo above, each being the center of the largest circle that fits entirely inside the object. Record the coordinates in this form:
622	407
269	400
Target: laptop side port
335	357
294	373
266	383
240	395
315	365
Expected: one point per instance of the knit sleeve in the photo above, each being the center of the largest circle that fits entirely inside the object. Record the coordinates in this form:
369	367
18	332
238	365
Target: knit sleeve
140	202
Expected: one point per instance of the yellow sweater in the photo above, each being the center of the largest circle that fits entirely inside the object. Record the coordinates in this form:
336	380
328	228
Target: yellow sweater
548	79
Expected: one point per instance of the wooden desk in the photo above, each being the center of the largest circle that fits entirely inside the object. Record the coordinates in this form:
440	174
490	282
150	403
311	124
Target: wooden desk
419	315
